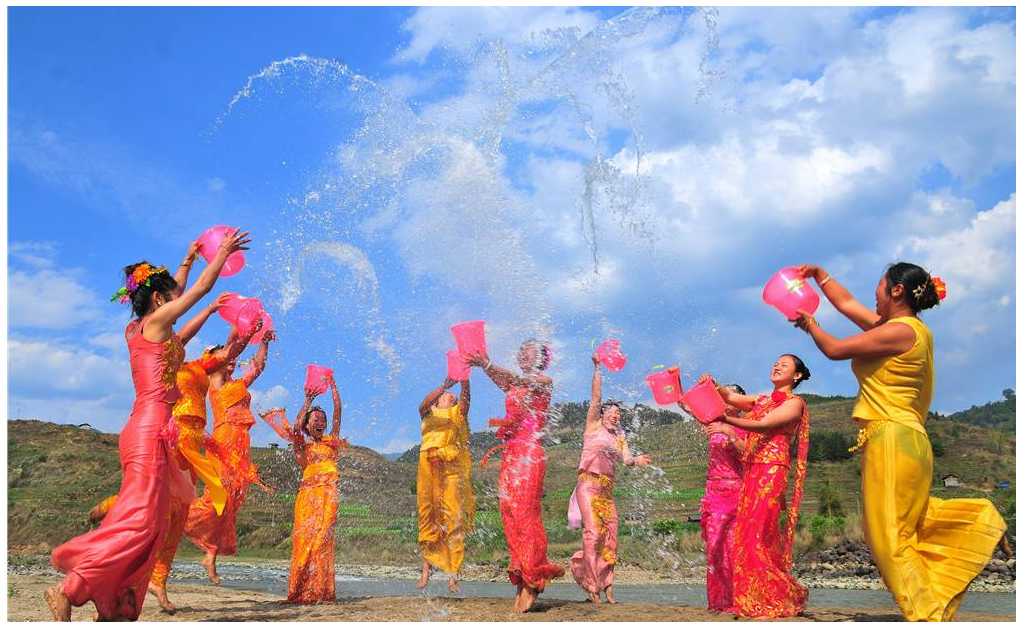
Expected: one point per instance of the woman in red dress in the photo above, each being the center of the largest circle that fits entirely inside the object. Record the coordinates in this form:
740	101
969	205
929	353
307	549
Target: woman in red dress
111	565
523	469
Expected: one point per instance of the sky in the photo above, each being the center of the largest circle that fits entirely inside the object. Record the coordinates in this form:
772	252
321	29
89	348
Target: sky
568	174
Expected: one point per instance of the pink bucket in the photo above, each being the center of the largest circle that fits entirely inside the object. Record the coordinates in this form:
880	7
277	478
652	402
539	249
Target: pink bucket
317	379
470	337
276	419
610	356
666	385
249	313
210	240
267	326
229	312
704	402
458	367
789	292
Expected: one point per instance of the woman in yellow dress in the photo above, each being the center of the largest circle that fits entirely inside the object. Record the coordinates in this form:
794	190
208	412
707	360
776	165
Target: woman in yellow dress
312	572
445	496
927	549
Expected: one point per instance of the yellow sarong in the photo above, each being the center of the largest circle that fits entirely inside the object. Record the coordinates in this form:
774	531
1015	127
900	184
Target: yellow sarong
445	497
190	413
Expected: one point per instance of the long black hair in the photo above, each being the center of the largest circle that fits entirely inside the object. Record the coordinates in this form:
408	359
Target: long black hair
917	287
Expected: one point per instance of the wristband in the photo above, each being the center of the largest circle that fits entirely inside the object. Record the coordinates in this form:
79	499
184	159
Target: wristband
825	281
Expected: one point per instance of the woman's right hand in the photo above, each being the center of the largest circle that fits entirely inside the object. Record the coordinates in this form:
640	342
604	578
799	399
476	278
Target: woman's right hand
236	241
718	427
220	301
808	270
595	360
704	377
479	359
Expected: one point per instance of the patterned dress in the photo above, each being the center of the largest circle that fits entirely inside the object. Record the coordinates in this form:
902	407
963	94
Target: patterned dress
719	505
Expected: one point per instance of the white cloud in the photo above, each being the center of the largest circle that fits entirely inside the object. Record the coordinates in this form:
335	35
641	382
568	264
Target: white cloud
398	445
275	396
48	299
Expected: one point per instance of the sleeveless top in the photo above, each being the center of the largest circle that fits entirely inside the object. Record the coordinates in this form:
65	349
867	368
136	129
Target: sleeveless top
192	382
526	409
600	452
154	366
322	457
231	404
898	387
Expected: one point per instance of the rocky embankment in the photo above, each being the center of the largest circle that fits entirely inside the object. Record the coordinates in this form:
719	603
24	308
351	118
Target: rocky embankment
849	565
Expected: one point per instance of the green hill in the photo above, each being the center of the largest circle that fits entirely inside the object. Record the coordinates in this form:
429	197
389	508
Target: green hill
57	472
999	415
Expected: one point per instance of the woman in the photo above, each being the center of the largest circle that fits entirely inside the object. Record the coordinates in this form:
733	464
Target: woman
761	557
230	443
591	504
111	565
927	550
523	469
190	415
312	573
719	506
445	497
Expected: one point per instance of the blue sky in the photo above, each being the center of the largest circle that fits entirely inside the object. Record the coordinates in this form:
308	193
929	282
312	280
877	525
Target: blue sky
564	173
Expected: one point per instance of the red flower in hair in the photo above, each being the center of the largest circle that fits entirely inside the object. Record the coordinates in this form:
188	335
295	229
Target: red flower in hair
939	287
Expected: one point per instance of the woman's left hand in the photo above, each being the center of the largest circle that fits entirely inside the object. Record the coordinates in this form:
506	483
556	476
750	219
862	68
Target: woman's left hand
642	460
805	321
718	427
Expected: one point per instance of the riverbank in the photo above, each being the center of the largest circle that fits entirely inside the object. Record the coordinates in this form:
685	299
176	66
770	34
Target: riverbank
204	602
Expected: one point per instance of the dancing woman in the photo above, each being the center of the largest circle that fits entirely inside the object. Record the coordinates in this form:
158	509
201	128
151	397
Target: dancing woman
927	549
230	443
111	565
720	504
762	586
445	496
523	469
591	504
312	572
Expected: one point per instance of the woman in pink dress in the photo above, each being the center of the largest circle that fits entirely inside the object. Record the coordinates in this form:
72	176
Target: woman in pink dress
762	586
523	469
591	505
111	565
719	505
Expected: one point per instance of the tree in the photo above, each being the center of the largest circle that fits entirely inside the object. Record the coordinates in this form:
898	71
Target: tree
830	500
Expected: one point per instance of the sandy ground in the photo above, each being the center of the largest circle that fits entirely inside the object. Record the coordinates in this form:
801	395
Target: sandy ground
207	603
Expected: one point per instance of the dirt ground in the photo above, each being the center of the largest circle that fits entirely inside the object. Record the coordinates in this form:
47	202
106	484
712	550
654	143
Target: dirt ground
209	603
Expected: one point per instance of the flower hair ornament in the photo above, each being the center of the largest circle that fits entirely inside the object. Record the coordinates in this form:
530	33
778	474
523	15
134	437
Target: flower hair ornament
140	276
939	288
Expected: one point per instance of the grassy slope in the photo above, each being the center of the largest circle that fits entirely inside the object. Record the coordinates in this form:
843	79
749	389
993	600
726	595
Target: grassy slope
56	473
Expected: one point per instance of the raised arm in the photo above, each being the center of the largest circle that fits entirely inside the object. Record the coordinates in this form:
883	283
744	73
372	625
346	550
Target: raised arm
259	360
592	418
465	399
788	412
182	276
842	300
297	430
159	327
881	341
503	378
193	326
433	396
337	409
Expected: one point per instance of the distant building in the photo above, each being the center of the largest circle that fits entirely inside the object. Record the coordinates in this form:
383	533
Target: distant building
88	427
950	481
1003	484
273	445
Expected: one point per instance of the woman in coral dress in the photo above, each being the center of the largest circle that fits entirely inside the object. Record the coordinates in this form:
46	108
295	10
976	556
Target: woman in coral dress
111	565
719	507
230	444
523	469
927	549
312	572
591	504
762	586
445	496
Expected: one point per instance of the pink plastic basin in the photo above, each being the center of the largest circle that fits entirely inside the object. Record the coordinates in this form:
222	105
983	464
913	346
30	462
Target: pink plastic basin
666	385
789	292
458	367
317	378
609	355
705	402
211	239
470	337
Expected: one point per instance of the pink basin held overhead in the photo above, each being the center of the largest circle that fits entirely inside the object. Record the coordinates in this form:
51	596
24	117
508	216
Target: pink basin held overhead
470	337
705	402
666	385
249	313
458	368
211	239
789	292
609	355
317	378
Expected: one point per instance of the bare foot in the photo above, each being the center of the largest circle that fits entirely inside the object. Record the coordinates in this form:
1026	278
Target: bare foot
59	604
162	597
425	574
609	595
454	585
518	605
209	562
529	599
594	597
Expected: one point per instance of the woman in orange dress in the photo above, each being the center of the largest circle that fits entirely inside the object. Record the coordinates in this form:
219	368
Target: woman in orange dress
230	443
523	469
111	565
762	586
312	572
